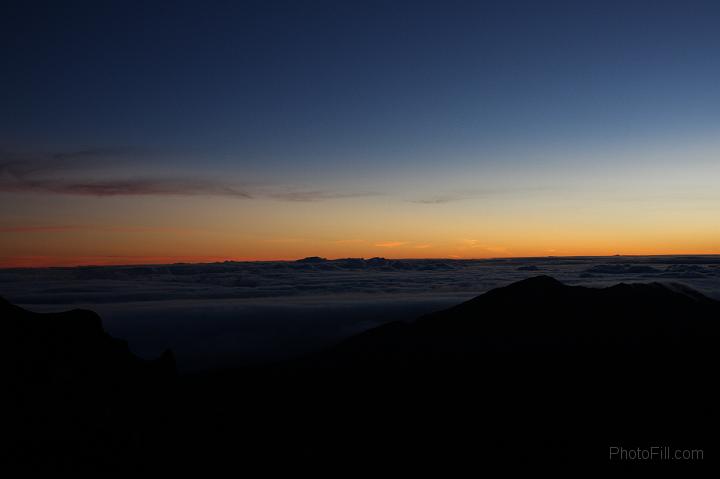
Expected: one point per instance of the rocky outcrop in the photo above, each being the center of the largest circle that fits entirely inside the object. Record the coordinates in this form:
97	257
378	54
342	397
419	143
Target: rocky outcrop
77	394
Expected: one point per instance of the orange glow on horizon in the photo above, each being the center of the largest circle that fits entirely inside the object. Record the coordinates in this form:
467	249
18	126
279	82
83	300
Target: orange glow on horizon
134	232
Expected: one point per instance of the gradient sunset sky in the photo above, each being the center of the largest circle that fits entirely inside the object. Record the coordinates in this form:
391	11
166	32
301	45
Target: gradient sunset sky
150	132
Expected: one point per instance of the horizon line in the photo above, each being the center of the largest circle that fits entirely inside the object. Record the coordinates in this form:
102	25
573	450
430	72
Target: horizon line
229	260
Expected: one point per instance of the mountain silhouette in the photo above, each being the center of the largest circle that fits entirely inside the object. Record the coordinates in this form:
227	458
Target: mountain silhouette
534	373
69	346
542	315
77	395
539	372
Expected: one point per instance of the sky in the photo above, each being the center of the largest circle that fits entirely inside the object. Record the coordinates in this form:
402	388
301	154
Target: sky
150	132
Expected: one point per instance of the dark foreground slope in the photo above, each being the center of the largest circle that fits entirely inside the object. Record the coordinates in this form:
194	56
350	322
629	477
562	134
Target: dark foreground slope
541	372
74	396
533	373
542	316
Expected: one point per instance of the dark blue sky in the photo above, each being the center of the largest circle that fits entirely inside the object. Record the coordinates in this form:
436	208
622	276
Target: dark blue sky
307	81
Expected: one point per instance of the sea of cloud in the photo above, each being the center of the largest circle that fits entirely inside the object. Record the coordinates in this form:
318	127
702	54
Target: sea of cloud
235	313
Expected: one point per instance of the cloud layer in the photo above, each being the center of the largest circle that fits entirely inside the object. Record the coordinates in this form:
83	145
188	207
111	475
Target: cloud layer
319	276
238	312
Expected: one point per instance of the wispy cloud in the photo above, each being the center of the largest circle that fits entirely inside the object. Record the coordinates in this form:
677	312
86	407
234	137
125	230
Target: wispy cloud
285	240
93	154
41	261
479	193
107	229
316	195
21	178
477	244
391	244
39	229
80	173
437	200
471	243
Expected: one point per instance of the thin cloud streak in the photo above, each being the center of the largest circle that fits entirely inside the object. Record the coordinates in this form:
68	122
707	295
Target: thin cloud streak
39	229
316	195
57	173
106	229
484	193
42	261
438	200
138	187
391	244
21	177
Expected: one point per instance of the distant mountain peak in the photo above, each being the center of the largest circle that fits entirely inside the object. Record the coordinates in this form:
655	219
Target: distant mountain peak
542	314
533	287
312	259
540	281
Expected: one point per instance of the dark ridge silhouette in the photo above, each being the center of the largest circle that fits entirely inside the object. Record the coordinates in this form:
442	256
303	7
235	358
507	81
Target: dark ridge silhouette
70	346
78	397
537	373
544	316
312	259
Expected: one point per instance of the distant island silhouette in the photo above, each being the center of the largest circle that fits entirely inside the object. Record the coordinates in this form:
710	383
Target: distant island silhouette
536	372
